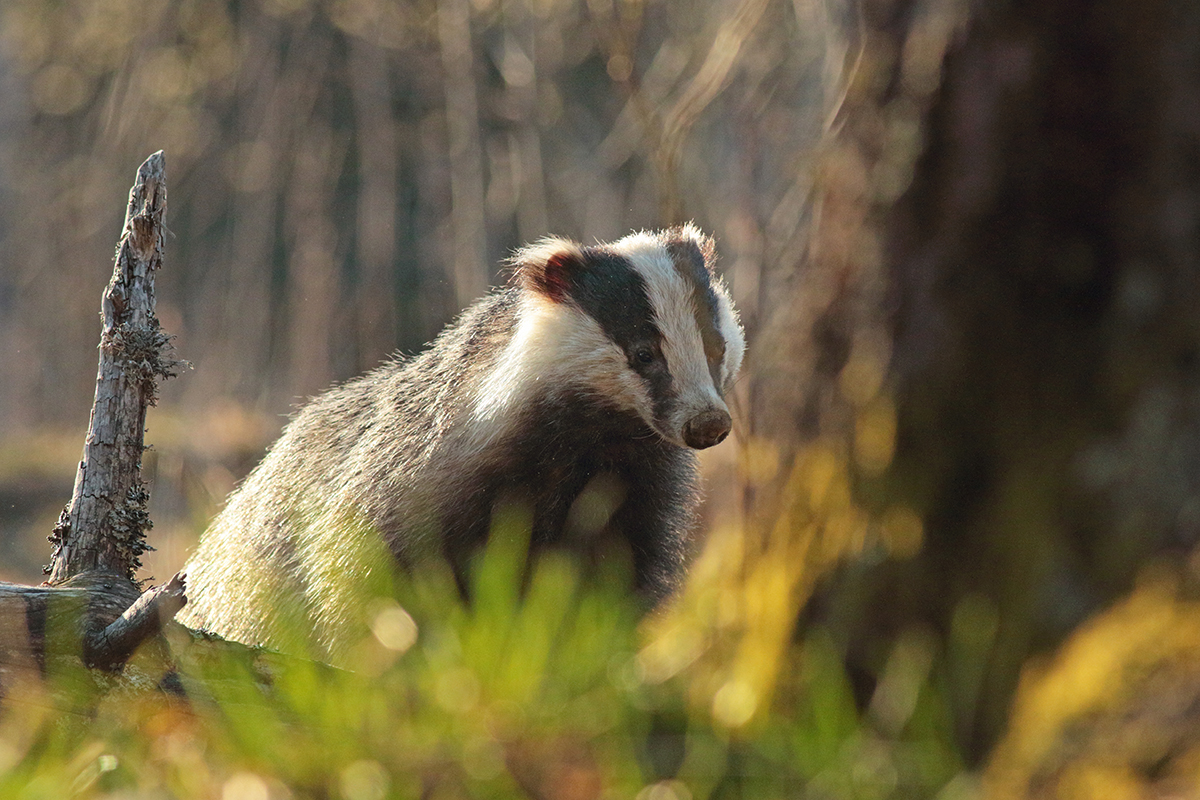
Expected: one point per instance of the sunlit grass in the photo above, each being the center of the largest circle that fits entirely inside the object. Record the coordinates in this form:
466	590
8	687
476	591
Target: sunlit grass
551	684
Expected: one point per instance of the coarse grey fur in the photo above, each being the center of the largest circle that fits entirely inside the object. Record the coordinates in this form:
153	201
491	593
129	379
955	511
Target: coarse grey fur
418	454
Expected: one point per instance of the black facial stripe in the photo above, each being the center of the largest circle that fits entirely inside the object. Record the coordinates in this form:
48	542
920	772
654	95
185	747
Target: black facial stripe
611	291
690	265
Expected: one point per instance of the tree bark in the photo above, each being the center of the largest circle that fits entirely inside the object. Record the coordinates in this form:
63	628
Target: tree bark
104	526
89	608
1041	273
109	647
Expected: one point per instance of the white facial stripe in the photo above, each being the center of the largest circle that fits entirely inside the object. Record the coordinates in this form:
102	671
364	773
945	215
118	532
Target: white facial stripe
673	302
728	326
554	346
731	331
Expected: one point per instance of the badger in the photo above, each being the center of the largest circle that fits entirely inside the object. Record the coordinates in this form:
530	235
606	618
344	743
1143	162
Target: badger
578	392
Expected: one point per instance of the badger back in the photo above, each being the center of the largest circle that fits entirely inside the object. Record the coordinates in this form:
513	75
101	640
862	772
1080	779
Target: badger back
643	325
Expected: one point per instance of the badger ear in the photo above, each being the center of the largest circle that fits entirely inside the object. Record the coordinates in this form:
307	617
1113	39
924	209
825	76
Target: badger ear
545	267
691	249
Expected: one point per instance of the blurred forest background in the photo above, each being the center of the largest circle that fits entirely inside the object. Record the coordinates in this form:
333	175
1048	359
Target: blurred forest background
964	240
347	176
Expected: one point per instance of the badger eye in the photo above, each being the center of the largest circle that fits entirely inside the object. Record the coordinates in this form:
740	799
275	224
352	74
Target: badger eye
644	355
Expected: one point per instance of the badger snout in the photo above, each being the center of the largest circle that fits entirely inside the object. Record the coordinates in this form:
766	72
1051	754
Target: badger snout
707	428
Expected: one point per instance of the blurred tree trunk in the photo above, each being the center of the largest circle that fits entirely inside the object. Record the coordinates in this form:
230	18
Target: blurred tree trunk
377	141
1041	292
466	159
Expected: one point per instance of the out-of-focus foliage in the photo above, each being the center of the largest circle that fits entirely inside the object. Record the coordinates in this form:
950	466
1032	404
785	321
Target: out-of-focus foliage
548	692
732	625
1044	338
1116	713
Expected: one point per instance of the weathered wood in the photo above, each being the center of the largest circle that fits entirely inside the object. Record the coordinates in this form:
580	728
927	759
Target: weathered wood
50	635
43	627
103	528
89	618
112	646
89	613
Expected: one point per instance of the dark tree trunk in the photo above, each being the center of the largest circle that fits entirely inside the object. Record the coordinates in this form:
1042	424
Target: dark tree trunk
1043	271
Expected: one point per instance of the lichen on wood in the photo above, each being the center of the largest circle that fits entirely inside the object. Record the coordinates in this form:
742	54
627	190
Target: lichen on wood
103	528
141	352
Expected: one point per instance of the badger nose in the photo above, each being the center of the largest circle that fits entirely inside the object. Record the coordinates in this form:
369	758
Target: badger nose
707	428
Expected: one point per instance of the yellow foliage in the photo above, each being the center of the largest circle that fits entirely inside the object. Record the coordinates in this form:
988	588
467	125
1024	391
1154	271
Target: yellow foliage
875	435
902	531
1114	712
730	630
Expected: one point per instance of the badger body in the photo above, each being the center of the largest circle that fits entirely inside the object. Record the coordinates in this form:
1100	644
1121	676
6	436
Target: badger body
578	393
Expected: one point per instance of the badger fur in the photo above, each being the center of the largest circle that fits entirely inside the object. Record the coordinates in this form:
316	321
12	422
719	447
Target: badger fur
585	384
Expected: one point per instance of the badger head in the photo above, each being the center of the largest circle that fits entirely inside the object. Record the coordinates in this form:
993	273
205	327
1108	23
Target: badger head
643	324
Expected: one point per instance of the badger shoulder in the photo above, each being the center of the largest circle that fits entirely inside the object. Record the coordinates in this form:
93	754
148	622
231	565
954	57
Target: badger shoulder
346	467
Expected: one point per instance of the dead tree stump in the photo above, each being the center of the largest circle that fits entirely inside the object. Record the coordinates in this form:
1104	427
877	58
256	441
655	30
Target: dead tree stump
104	526
91	596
